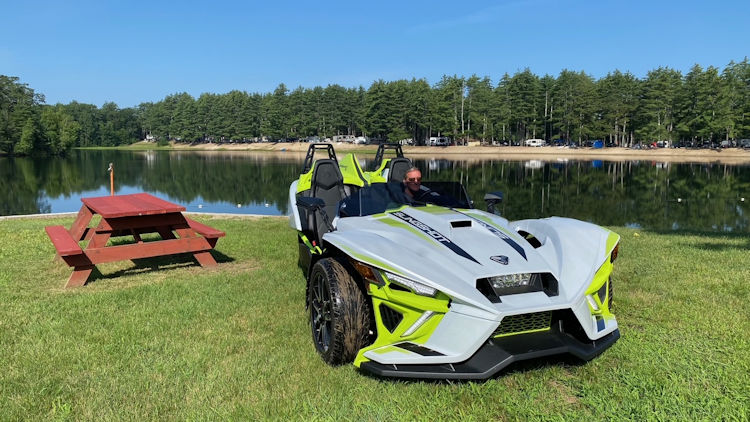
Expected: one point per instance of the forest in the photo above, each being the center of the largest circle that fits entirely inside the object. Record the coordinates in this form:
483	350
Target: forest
701	107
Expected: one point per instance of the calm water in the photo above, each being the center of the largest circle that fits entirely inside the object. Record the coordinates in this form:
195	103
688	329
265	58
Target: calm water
658	196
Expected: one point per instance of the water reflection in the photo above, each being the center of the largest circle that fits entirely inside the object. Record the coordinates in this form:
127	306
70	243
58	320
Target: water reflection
650	195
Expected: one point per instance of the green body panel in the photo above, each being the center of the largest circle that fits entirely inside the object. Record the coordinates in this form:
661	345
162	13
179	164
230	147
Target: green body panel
600	278
438	210
305	180
313	249
376	176
352	171
400	224
522	332
368	260
411	306
612	241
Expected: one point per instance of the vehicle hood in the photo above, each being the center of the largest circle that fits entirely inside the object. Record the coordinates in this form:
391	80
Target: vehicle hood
445	248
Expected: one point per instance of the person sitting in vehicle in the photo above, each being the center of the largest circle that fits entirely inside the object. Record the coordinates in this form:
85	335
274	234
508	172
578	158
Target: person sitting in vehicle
416	192
413	183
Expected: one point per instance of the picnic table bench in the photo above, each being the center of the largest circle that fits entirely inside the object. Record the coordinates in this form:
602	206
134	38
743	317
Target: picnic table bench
130	215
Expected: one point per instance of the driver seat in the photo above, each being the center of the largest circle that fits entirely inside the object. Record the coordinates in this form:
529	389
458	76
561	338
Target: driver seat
327	184
398	168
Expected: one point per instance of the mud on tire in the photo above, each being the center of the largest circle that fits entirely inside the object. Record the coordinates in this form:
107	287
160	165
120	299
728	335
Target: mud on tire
339	312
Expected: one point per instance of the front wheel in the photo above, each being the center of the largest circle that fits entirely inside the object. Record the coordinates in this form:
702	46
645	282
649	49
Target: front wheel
339	315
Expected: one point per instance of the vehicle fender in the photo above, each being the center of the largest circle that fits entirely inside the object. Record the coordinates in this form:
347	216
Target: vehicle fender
582	247
360	251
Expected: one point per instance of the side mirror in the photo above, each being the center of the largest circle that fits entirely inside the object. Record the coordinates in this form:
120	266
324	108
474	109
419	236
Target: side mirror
311	203
492	199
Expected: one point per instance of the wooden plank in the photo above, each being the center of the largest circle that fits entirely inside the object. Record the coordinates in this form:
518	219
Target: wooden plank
78	229
150	202
130	205
62	240
205	259
156	221
99	240
146	249
204	230
79	277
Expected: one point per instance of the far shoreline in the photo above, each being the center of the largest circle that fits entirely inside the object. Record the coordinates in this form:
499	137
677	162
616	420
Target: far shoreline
473	152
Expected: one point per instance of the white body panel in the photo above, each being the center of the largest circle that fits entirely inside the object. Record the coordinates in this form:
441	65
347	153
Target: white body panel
571	250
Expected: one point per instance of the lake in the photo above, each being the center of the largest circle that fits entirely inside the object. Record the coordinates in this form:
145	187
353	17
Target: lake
642	194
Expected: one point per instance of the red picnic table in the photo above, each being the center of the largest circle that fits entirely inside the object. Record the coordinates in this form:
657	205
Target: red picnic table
130	215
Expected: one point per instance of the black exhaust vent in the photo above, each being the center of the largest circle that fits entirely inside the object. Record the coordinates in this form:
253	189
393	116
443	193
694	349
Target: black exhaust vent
515	324
533	241
460	223
390	317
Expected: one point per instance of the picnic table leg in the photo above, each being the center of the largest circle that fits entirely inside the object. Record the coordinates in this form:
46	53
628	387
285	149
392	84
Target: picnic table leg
204	258
81	273
79	276
165	233
78	229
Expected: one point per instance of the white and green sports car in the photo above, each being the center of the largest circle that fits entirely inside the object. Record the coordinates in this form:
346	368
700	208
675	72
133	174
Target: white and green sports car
439	289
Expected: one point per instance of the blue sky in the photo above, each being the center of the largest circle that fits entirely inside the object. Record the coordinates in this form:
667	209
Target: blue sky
137	51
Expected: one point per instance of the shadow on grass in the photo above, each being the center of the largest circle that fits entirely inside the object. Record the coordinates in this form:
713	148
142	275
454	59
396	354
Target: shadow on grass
158	264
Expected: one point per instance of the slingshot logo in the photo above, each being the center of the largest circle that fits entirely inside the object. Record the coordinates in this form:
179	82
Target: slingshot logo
434	234
500	259
497	232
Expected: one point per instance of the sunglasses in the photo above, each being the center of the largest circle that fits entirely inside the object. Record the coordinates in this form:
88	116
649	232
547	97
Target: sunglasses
414	179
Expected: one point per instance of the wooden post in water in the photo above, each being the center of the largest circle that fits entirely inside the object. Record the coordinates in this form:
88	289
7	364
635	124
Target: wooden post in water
111	170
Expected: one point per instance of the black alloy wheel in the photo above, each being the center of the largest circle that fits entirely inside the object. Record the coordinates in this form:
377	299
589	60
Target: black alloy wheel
339	312
320	312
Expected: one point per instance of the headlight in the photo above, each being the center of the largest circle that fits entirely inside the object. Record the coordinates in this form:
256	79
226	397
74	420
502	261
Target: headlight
511	284
510	280
414	286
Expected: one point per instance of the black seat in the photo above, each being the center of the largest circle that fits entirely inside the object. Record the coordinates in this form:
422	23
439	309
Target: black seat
397	169
327	184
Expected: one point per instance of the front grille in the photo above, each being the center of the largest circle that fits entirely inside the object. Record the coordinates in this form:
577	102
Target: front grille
515	324
390	317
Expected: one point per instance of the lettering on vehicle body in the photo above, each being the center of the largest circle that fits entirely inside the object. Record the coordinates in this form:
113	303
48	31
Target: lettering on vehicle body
499	233
434	234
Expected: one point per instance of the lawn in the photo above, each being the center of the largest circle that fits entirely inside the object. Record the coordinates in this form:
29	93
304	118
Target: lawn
165	339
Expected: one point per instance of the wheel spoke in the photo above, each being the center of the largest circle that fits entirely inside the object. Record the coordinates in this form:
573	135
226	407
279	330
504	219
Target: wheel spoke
320	312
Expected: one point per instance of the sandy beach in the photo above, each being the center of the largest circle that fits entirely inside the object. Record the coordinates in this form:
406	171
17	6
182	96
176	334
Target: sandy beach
722	156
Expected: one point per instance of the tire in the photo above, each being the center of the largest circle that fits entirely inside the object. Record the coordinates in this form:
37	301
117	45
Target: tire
339	312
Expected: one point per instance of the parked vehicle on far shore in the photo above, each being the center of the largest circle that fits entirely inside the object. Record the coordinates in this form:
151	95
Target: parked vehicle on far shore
439	141
535	143
744	143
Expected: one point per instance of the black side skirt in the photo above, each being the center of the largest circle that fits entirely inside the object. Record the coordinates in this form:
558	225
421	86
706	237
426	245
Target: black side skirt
497	354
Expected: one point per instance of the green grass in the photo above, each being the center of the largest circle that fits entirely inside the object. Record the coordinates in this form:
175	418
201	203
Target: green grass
165	339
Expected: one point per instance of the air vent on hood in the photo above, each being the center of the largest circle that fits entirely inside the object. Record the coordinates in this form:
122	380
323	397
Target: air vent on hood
533	241
460	223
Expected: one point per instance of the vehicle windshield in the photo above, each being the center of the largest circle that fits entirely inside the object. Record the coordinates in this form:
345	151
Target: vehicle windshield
380	197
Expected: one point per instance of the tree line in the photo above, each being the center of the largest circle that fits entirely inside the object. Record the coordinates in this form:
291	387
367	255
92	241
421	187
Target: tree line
700	107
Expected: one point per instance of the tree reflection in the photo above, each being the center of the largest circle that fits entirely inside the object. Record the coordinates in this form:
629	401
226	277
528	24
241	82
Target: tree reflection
659	196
